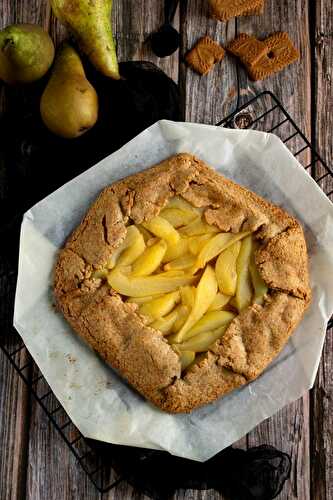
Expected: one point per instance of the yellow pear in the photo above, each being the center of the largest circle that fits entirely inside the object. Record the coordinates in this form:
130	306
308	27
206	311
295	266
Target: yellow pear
69	104
90	23
26	53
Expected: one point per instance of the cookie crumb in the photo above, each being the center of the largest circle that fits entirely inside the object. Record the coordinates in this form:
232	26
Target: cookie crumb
71	359
74	385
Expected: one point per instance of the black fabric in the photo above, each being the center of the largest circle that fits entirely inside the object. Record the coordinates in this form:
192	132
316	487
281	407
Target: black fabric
256	474
34	162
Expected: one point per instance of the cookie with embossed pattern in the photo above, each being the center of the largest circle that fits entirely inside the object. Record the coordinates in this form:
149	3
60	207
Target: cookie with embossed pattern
263	58
223	10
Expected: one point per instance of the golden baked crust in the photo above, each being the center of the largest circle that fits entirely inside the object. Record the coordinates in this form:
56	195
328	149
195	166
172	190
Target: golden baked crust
121	336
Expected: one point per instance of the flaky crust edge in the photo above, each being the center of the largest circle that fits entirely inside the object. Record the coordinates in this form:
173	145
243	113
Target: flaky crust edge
116	331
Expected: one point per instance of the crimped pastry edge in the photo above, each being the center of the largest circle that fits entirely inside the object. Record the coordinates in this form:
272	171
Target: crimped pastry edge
119	334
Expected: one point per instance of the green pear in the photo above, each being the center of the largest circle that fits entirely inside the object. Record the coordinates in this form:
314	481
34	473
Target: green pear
90	23
69	104
26	53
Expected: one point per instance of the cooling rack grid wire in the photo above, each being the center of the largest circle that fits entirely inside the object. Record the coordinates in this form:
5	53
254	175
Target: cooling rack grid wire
263	112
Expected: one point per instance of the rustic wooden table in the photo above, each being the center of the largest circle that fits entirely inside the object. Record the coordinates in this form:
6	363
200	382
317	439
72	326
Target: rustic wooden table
34	461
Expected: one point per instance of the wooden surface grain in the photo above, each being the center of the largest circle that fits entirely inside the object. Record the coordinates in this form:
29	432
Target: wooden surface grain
321	423
35	463
289	428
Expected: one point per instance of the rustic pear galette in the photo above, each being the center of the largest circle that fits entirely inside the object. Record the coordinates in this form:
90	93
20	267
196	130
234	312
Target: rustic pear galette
186	283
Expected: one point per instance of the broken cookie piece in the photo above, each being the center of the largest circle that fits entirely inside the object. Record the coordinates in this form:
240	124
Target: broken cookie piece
204	55
263	58
223	10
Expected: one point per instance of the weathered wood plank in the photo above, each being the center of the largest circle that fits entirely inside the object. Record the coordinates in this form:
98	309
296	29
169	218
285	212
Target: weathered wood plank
23	11
322	427
133	23
322	394
125	491
289	429
293	84
53	471
14	395
207	99
14	402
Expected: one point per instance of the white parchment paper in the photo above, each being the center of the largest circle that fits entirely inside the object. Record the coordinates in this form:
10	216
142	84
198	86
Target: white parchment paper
98	401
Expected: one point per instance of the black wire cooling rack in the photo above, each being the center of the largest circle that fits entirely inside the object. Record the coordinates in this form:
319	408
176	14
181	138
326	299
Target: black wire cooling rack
264	112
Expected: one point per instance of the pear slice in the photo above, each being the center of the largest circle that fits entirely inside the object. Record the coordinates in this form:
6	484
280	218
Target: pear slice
198	227
209	322
163	229
186	358
150	259
145	233
173	272
259	286
180	203
100	274
187	294
225	269
183	262
141	300
203	341
165	324
219	302
243	296
151	241
215	246
196	243
132	234
176	250
90	23
182	315
204	296
136	246
156	284
177	217
160	307
115	255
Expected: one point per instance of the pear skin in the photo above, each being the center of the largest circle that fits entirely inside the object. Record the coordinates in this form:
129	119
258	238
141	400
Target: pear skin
90	23
26	53
69	104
